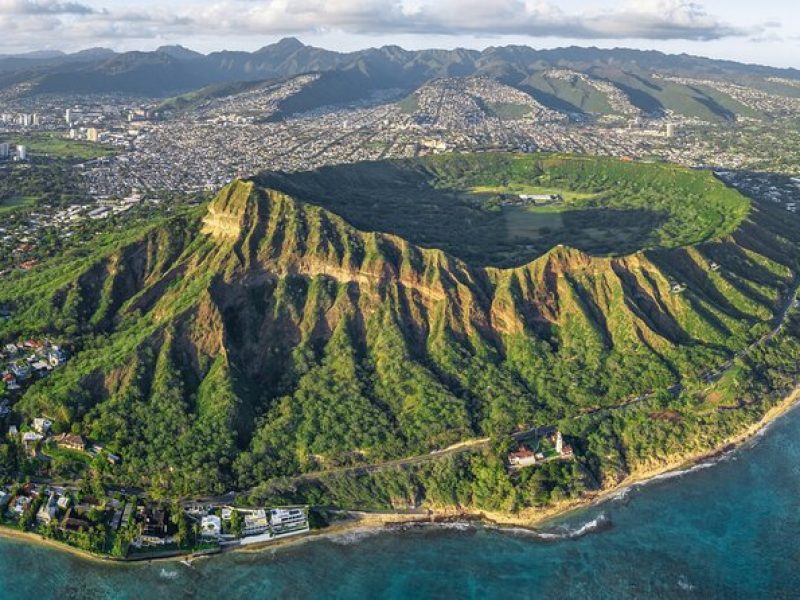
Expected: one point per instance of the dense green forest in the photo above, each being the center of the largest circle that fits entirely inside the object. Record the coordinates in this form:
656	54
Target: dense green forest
611	445
263	336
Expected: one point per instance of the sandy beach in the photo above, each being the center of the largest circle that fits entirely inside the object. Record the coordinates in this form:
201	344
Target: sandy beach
35	538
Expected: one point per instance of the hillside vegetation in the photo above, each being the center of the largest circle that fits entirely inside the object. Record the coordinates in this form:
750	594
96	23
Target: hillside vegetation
614	208
266	336
577	81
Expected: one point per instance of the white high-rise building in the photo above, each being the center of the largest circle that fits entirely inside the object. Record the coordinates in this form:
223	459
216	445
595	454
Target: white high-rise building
22	153
4	151
68	116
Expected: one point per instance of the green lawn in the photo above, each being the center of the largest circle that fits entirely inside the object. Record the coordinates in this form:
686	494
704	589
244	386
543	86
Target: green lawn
409	104
509	111
523	188
594	230
524	223
54	145
571	221
67	454
11	204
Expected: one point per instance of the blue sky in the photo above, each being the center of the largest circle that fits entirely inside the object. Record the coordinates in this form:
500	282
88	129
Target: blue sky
766	32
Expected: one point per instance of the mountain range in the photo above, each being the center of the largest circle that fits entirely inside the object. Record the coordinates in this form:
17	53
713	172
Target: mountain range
170	70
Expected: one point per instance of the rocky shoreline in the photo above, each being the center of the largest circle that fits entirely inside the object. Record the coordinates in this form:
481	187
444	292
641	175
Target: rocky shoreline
529	520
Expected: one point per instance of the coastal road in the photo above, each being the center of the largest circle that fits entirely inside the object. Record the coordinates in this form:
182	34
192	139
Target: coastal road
711	376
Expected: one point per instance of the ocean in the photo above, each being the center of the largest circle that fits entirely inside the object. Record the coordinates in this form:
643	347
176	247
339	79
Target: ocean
730	529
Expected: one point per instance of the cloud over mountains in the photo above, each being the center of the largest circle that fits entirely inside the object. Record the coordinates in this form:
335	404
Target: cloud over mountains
101	21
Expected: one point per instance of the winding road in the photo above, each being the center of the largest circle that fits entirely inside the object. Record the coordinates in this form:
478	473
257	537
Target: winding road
711	376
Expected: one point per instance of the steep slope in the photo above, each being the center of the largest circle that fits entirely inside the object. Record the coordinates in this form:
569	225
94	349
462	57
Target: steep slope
609	80
268	336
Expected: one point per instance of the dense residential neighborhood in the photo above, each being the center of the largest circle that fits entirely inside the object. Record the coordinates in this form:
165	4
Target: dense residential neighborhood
127	526
159	147
93	517
28	360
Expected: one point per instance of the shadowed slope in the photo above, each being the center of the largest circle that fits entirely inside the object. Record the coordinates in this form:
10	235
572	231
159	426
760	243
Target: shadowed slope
269	336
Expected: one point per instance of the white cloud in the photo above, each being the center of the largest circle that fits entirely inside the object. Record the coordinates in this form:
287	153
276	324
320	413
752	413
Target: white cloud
43	7
656	19
100	22
661	19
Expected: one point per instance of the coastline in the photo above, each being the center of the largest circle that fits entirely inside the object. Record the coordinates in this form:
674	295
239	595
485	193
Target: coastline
531	518
36	538
372	522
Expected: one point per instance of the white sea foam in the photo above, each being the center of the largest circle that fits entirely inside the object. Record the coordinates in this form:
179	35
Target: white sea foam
684	584
454	525
601	521
353	536
679	472
622	493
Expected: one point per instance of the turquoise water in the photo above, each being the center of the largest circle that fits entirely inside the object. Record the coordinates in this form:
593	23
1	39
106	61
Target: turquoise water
731	530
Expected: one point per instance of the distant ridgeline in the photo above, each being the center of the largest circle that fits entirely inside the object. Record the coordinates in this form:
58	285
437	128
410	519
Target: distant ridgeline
355	314
572	81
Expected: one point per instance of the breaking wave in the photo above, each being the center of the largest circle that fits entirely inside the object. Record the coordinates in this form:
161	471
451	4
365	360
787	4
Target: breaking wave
354	536
623	493
684	584
601	522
